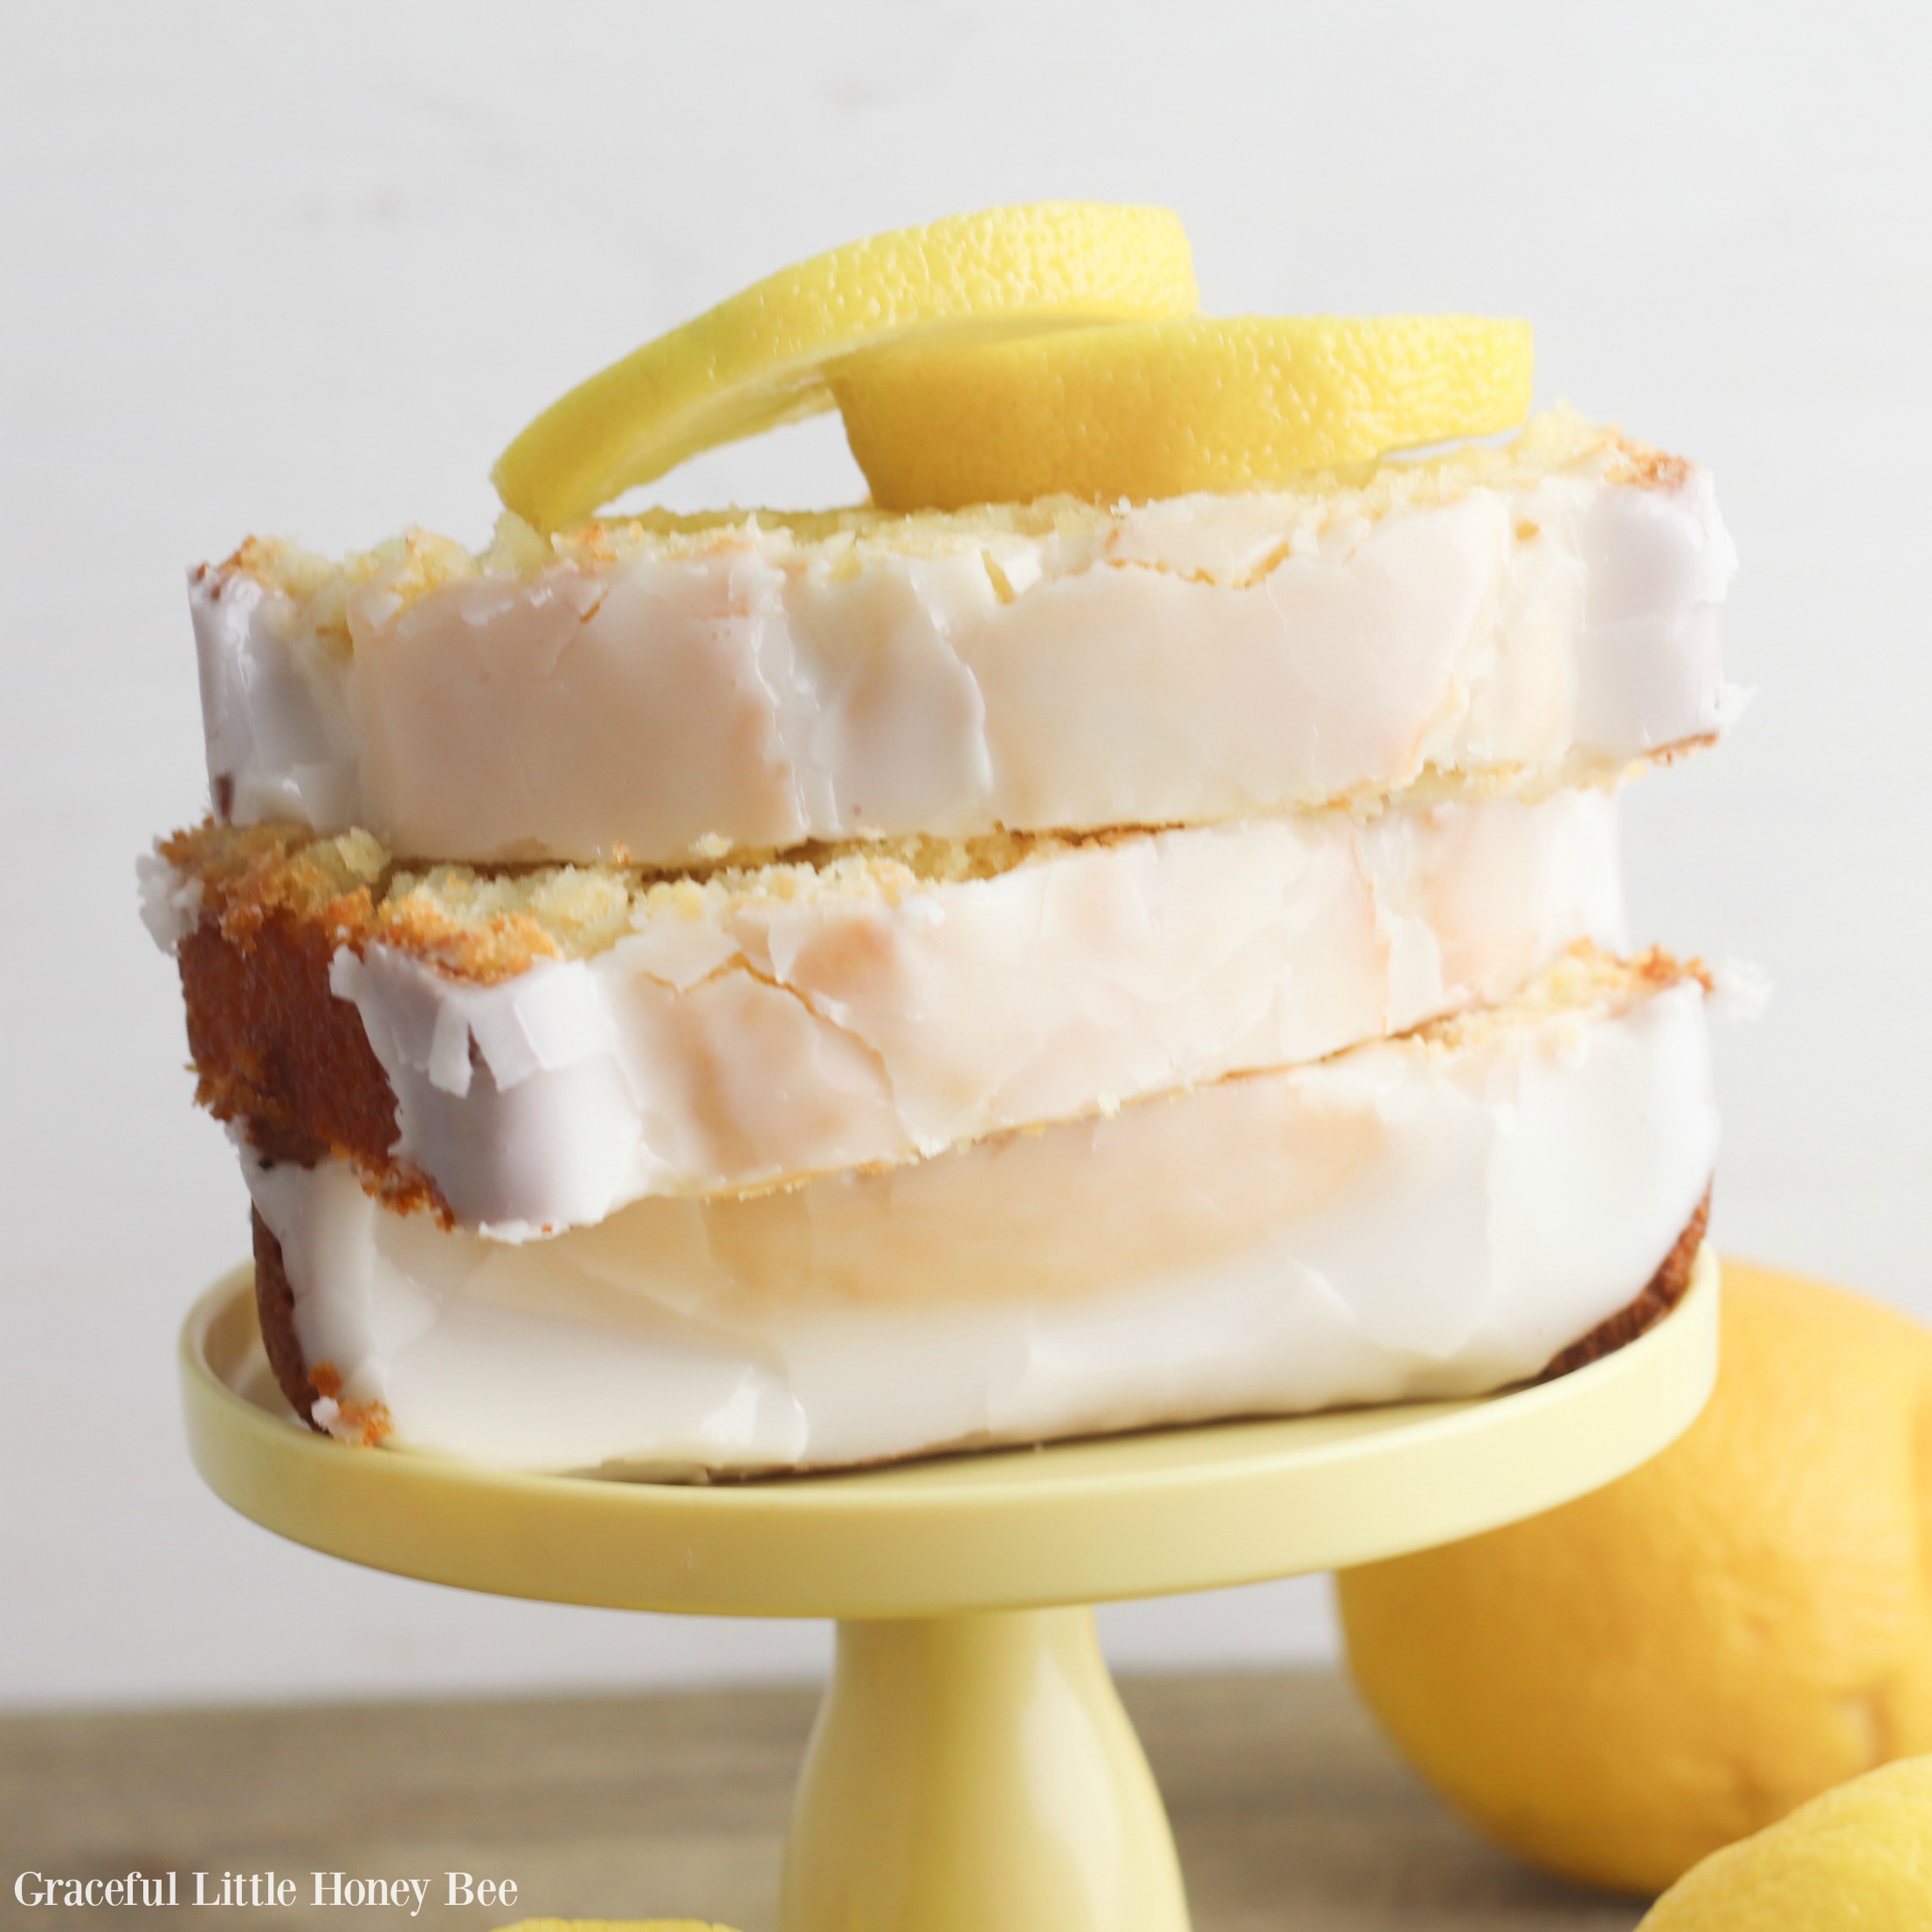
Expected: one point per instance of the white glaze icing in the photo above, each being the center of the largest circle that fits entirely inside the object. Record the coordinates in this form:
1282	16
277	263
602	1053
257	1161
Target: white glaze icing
1413	1217
1178	662
171	906
739	1039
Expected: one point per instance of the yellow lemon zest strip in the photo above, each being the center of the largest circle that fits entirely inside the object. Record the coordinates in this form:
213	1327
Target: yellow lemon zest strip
1163	408
759	359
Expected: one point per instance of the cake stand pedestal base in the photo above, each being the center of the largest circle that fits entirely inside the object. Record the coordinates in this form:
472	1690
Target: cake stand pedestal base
968	1772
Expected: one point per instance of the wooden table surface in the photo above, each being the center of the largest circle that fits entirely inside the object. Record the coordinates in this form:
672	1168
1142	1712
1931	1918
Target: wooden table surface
1289	1810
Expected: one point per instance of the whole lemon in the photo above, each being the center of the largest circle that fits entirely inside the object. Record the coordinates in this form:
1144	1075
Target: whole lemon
1857	1860
1617	1687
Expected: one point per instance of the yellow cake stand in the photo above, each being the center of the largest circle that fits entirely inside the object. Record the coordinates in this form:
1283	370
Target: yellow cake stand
972	1770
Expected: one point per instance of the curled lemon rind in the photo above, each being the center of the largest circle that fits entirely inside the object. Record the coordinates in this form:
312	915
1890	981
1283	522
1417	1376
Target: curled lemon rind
760	358
1166	408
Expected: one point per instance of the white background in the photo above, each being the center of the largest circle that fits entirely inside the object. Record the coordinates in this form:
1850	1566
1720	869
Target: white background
306	270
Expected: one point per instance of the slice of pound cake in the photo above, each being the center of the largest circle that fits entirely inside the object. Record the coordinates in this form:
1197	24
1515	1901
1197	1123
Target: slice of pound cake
664	690
528	1051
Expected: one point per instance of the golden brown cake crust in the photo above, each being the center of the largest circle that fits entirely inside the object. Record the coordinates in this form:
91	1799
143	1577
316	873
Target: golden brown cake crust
1665	1290
303	1383
275	1310
275	1306
274	1049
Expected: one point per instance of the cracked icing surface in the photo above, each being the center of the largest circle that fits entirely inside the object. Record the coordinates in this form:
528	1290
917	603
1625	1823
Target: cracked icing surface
672	689
1432	1216
742	1035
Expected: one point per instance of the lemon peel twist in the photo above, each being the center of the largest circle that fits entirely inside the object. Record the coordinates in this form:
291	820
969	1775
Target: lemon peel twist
1163	408
760	358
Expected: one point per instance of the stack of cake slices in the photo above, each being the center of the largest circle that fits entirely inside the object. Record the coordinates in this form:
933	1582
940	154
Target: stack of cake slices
744	993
